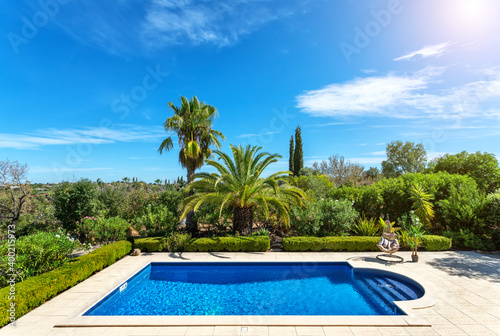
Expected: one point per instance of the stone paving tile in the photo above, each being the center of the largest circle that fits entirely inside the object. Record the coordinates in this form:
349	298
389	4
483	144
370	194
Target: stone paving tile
173	331
468	285
365	331
337	331
282	331
309	331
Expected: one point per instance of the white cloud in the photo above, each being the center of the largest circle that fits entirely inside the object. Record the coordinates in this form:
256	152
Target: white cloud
435	50
367	160
407	96
41	170
89	135
368	71
131	26
360	96
250	135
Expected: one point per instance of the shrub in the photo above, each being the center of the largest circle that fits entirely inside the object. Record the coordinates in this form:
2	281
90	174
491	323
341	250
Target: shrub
150	244
324	217
34	291
157	221
349	244
231	244
74	201
366	227
490	213
39	217
173	243
319	185
36	254
461	210
465	239
495	238
215	222
436	243
97	230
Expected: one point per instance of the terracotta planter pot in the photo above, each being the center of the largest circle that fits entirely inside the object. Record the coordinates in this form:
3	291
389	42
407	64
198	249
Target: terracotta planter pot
414	258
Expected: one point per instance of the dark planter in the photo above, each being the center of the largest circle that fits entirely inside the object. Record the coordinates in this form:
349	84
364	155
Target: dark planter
414	258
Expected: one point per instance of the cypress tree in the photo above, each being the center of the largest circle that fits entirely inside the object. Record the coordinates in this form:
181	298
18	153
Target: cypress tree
290	158
298	155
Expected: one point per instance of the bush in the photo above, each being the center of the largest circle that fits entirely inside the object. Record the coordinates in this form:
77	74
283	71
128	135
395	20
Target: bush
436	243
495	238
366	227
324	217
319	185
74	201
34	291
231	244
150	244
172	243
97	230
465	239
36	254
349	244
157	221
462	209
490	213
38	217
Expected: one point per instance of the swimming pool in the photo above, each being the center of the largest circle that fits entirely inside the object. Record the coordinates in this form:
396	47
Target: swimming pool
263	288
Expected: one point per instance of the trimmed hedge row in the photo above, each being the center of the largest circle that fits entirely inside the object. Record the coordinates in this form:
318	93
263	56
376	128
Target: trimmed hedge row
348	244
217	244
436	243
150	244
231	244
351	244
34	291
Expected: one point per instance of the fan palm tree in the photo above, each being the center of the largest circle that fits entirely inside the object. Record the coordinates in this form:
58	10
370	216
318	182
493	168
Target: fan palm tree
238	184
192	123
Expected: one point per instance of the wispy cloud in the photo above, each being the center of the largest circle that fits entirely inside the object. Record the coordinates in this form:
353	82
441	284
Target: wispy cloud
331	124
128	26
368	71
250	135
41	170
89	135
434	50
406	96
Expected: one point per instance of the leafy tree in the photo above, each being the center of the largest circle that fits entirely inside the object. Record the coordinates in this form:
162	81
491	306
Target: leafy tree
404	158
290	157
238	184
15	190
372	173
192	123
73	201
340	170
482	167
298	155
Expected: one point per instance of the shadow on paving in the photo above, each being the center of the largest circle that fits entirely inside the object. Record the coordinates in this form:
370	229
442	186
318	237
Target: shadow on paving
469	264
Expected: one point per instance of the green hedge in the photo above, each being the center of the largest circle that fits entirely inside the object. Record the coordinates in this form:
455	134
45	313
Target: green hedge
231	244
436	243
348	244
356	243
150	244
34	291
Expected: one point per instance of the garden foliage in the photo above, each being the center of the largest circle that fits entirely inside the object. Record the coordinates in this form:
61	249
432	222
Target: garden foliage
34	291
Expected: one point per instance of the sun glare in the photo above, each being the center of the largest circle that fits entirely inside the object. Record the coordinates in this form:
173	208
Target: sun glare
474	12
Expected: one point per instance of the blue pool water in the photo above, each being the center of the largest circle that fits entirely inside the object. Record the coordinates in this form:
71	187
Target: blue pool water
257	289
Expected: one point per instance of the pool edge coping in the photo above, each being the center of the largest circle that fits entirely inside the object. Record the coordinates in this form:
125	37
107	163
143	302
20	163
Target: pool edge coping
412	319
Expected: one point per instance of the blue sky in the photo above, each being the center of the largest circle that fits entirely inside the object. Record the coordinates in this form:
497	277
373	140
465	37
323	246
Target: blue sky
85	84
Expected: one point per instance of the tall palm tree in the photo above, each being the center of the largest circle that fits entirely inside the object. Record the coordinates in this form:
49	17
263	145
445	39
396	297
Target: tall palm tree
239	185
192	123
